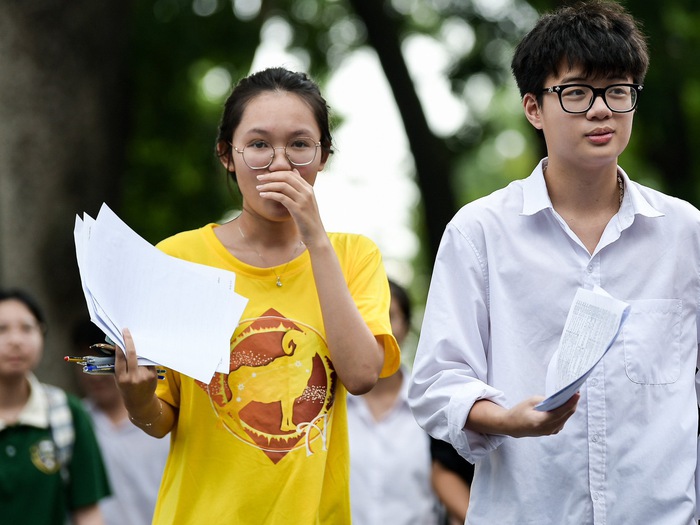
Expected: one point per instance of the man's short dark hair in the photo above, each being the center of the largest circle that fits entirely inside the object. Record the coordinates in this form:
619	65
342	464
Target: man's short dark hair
598	36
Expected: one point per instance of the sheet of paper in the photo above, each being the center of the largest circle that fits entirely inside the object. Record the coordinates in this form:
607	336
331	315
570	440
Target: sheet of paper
592	325
180	314
82	238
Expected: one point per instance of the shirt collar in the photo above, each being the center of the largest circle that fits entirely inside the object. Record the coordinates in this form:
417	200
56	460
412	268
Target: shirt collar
636	203
536	198
36	412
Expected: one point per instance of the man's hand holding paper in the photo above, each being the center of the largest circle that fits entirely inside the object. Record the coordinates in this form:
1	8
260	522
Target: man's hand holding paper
592	325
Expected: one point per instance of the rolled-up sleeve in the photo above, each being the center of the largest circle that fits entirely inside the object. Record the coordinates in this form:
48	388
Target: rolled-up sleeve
451	368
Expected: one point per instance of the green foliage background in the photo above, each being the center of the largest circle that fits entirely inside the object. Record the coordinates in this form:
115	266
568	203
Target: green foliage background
174	182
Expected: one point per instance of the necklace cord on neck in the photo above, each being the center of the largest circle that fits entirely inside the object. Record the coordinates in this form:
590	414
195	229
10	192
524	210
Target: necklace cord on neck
272	268
620	184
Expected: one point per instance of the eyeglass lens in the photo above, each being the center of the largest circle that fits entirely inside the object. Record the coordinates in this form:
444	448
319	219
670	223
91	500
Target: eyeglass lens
300	151
579	99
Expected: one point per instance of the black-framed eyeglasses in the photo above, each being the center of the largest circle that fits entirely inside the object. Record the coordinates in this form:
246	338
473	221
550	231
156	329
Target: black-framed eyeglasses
579	98
259	154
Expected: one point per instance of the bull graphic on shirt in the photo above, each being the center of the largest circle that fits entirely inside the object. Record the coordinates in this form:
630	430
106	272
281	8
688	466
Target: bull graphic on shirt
280	390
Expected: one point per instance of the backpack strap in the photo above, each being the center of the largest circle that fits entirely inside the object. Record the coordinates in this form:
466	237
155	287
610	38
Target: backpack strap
61	423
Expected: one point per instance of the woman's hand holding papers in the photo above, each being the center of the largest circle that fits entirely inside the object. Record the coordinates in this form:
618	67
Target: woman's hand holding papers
137	385
522	420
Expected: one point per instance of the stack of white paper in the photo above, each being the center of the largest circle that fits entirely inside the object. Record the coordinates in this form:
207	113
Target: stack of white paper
594	321
180	314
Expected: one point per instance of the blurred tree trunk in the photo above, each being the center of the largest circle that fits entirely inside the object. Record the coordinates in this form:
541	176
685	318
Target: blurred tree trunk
432	159
62	135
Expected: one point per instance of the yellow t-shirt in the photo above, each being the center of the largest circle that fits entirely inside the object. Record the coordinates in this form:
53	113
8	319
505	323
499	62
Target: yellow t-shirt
267	443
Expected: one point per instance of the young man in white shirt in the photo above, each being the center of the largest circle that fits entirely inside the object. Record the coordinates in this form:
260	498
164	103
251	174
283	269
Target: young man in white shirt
623	449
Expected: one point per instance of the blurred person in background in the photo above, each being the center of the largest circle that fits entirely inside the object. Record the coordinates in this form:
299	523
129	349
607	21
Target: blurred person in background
452	478
390	465
134	460
51	470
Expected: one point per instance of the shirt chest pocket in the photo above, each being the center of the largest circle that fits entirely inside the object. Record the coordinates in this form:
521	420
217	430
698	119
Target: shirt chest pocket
652	339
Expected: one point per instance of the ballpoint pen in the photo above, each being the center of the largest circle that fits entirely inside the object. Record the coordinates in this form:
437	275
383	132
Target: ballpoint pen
104	366
109	369
90	360
92	370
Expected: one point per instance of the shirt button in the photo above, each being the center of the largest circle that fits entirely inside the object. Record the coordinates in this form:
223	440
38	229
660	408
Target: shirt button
595	496
10	451
594	438
593	382
590	269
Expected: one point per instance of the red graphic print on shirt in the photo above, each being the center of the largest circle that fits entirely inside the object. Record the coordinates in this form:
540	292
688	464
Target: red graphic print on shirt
279	392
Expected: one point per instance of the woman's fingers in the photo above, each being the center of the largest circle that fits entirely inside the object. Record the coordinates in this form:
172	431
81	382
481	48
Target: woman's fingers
136	383
131	359
126	362
291	190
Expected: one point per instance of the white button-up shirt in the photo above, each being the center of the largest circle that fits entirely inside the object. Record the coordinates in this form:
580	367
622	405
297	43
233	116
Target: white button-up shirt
507	270
390	466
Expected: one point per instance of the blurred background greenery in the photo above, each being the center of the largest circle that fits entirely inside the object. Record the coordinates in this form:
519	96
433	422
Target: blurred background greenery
119	102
